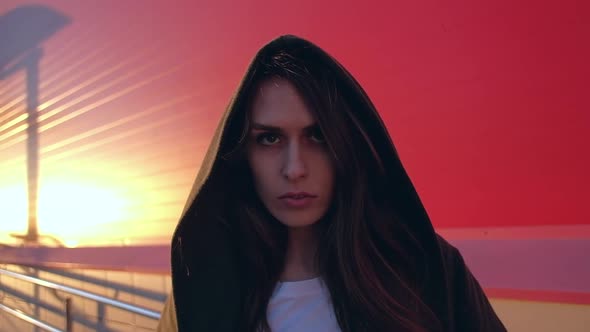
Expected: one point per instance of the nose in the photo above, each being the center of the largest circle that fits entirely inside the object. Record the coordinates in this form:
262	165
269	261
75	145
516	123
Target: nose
294	166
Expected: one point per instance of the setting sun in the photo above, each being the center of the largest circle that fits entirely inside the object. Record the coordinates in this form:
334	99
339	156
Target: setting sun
67	209
13	204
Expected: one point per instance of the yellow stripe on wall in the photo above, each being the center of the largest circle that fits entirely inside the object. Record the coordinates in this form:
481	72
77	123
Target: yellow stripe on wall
526	316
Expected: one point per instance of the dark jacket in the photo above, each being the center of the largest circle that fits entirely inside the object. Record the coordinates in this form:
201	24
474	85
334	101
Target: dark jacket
205	267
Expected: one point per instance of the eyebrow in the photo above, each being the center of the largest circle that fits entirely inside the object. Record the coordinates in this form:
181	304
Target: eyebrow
260	126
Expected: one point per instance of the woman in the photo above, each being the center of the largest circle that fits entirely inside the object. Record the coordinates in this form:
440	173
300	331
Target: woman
302	217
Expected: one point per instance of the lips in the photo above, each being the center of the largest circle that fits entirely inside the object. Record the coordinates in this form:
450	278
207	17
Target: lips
297	200
297	195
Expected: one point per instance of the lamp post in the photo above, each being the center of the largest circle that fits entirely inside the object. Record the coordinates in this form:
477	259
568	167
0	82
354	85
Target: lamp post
22	31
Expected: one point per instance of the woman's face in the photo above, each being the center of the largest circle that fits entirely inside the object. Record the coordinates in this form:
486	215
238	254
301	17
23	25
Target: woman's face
292	170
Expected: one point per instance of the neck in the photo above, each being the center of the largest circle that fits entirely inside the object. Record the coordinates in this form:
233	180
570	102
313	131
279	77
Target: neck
299	259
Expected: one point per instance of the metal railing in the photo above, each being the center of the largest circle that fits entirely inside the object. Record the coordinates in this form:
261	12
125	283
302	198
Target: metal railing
29	319
74	291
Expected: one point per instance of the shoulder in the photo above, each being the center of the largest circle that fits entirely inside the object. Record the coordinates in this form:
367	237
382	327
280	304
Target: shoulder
456	270
453	264
450	254
167	322
470	306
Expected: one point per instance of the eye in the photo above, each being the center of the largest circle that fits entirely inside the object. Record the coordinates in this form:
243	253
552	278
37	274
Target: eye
267	139
317	136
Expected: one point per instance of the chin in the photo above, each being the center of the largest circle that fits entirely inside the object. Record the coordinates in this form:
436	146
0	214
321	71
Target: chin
297	220
298	224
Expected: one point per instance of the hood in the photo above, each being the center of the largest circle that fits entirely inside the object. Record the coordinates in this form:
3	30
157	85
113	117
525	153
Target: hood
205	270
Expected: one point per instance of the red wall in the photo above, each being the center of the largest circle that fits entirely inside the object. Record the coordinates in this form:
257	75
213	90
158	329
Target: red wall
487	101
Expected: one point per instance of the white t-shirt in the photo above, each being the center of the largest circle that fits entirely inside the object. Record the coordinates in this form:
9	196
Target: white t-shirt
301	306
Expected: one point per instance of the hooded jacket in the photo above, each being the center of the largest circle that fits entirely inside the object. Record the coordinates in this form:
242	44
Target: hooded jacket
204	257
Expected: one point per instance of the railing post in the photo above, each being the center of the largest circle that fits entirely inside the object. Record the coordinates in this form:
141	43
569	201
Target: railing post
68	314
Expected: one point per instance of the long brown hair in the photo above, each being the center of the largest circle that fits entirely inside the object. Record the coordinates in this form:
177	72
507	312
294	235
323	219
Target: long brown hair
367	256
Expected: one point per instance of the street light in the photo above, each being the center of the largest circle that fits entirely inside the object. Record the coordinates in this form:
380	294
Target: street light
22	32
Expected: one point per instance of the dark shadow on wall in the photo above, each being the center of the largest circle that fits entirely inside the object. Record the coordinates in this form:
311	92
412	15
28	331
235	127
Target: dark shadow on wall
43	302
24	300
23	30
116	287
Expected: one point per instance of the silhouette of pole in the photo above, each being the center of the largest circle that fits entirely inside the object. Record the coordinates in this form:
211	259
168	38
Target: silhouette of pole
32	73
22	31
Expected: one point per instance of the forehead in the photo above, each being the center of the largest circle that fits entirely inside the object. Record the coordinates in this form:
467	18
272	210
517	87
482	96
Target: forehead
278	103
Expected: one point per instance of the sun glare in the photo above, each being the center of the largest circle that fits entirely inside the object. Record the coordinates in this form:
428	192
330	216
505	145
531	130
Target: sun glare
67	210
13	207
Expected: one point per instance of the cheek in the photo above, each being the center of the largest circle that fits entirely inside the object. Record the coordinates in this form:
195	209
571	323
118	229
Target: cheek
327	170
261	172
